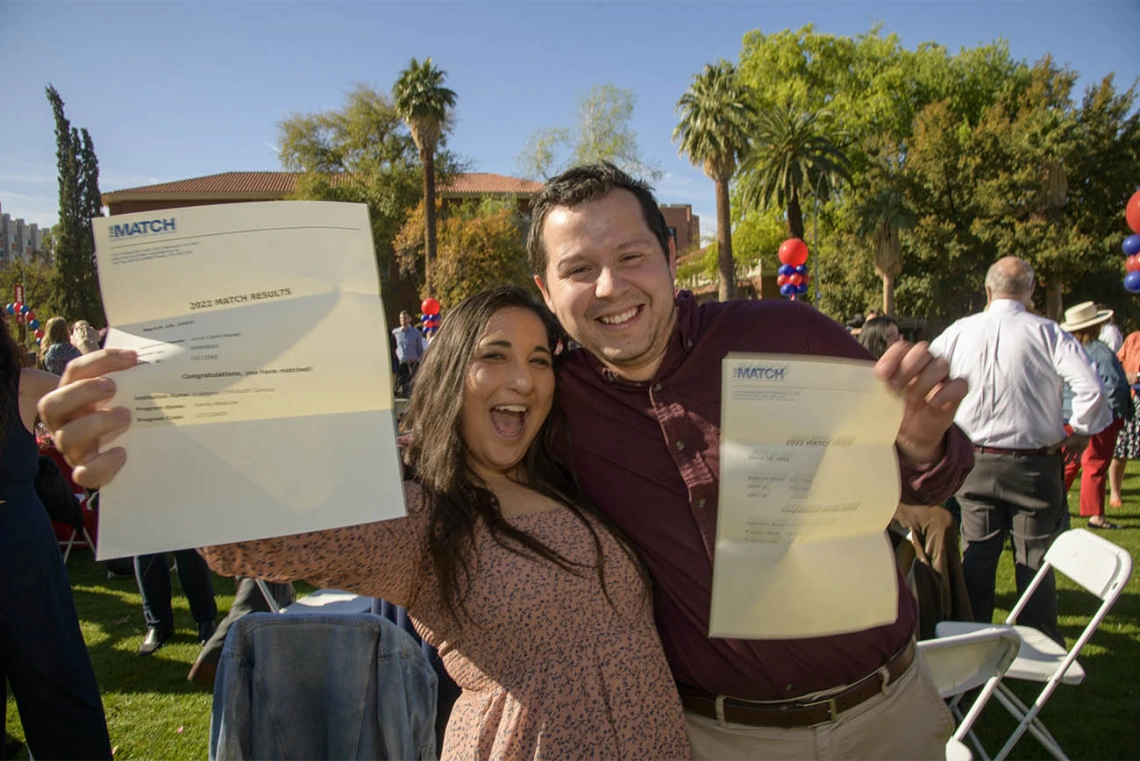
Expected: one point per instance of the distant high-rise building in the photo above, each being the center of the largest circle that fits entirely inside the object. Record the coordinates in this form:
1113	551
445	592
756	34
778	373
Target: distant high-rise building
20	240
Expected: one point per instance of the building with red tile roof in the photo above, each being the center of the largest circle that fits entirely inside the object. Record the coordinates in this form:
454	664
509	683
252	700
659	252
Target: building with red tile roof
235	187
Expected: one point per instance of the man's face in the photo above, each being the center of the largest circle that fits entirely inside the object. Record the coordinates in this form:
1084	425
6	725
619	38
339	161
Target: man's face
609	283
405	320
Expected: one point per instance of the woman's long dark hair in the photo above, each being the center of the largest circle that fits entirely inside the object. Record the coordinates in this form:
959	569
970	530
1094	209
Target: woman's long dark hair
12	359
437	456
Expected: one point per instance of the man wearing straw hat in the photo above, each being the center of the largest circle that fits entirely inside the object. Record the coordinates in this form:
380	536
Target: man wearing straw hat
1085	322
1016	364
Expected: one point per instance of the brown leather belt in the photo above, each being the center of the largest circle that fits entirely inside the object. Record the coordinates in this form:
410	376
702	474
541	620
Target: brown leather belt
1042	452
798	713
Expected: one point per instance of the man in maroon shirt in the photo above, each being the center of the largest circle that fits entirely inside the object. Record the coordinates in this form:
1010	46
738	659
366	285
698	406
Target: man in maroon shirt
642	401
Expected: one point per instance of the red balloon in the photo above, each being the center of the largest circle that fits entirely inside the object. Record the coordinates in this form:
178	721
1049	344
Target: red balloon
793	252
795	279
1132	212
40	333
782	280
430	306
18	306
1133	263
30	316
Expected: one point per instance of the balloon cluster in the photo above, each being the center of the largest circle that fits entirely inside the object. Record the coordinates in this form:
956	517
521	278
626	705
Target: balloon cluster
1132	244
430	309
793	277
23	313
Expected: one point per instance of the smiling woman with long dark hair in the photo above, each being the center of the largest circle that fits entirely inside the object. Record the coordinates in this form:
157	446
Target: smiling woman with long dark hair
41	646
539	608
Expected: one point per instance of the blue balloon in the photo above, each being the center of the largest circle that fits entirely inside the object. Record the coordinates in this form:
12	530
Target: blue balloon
786	269
24	309
1132	245
801	269
1132	282
787	289
802	288
34	324
10	309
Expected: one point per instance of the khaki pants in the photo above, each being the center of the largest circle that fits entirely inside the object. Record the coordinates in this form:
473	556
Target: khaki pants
908	720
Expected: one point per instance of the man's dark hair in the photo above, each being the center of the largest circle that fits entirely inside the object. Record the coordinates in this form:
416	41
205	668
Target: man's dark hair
579	185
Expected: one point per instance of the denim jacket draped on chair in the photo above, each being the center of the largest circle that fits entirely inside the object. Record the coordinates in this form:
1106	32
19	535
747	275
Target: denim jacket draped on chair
322	687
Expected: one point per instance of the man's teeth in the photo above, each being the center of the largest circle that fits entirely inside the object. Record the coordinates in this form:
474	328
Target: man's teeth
510	408
617	319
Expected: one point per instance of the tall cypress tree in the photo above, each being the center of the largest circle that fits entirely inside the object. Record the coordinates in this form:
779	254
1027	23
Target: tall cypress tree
92	206
79	200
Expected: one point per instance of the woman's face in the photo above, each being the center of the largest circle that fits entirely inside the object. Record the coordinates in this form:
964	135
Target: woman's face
507	393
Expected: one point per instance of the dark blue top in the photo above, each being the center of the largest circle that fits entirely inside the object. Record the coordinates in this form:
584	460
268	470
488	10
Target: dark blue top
1117	392
22	514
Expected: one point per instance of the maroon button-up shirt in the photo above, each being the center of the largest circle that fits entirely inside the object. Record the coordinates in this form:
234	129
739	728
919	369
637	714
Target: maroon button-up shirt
648	454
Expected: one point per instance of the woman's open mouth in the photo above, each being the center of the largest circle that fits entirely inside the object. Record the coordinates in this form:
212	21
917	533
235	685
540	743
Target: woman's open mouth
509	420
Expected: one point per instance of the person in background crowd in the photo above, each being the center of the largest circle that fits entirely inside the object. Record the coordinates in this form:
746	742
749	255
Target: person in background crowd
642	401
1110	334
1128	443
878	335
153	576
42	652
248	598
410	347
541	608
1017	364
55	348
1084	321
84	337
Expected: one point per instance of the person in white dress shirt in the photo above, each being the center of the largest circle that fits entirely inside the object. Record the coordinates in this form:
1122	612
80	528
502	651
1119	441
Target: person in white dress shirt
1110	334
1016	364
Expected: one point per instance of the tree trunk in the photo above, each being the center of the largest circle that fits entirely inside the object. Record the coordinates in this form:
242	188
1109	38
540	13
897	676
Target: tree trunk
428	159
888	295
795	219
727	288
1053	298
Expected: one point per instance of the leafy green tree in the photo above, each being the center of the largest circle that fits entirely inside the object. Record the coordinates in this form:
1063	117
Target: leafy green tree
425	104
41	293
481	244
363	153
790	158
602	132
713	133
79	202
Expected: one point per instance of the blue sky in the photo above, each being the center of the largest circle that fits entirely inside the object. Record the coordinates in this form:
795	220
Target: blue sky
171	90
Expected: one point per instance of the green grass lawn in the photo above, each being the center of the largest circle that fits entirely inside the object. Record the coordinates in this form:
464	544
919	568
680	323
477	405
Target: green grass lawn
154	713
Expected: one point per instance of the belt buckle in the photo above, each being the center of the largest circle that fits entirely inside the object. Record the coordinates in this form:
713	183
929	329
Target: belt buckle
832	707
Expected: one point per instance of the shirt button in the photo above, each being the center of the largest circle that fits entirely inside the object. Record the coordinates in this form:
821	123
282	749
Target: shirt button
689	342
700	503
679	445
657	387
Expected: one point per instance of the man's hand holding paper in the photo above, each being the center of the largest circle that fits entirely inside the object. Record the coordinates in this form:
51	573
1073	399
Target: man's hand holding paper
809	481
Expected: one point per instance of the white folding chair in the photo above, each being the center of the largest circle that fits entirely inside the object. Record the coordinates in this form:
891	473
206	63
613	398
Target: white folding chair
963	663
1096	564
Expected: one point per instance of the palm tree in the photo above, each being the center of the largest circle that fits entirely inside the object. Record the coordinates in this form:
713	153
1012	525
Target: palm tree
715	120
423	102
789	155
881	216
